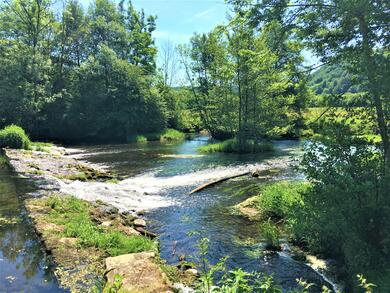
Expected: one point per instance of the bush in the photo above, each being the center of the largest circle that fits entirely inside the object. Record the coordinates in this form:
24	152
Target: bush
3	162
277	200
233	146
14	137
172	135
271	235
345	215
138	138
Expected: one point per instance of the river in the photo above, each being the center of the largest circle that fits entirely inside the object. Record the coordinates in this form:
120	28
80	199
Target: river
158	177
164	174
24	266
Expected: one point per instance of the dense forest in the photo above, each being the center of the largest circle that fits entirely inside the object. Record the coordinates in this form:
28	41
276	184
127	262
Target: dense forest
91	75
80	75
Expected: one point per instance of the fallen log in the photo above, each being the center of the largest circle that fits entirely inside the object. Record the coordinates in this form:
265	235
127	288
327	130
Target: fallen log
217	181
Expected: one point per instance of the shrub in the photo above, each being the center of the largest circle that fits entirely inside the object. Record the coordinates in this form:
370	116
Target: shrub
3	161
141	139
278	199
345	215
138	138
271	235
14	137
233	146
172	135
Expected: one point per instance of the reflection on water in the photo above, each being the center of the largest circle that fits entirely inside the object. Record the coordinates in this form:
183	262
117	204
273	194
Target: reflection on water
24	266
172	171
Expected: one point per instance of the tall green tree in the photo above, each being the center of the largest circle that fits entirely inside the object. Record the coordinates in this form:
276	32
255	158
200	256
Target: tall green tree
243	85
354	32
113	100
26	29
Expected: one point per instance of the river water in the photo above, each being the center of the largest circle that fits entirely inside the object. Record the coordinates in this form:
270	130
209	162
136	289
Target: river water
24	266
158	177
161	177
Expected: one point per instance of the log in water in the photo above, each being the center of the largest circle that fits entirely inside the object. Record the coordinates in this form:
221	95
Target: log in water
217	181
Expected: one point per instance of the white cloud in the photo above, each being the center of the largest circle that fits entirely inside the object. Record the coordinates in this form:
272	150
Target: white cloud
204	14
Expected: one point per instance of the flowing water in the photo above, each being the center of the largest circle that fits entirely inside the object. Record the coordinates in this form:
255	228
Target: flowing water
24	266
160	177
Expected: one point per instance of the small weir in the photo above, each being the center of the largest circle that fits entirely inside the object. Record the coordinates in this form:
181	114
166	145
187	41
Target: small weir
159	179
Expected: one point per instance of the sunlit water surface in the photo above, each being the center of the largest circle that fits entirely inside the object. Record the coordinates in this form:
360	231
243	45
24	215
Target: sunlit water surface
166	173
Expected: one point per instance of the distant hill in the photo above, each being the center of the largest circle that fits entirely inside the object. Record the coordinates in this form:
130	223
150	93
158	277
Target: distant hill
333	79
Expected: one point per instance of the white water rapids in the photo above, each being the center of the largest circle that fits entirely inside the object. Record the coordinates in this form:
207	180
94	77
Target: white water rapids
145	192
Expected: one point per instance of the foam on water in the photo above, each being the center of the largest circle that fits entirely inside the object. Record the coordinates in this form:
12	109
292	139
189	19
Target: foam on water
150	191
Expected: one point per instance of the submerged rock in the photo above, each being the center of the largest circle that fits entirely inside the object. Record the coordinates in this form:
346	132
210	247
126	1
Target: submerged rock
139	273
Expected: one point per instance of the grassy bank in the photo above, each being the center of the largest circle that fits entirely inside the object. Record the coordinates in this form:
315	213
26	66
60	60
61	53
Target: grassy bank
233	146
168	135
75	216
275	207
15	137
81	236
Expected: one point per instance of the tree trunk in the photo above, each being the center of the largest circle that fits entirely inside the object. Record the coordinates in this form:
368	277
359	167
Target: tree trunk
369	66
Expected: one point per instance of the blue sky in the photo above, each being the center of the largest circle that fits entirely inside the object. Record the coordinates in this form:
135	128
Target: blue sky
179	19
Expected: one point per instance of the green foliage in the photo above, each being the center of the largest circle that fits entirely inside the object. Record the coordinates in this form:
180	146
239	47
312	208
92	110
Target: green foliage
138	138
271	235
238	82
334	79
344	211
14	137
166	136
3	162
41	146
368	287
361	120
114	287
172	135
277	200
74	214
85	76
234	146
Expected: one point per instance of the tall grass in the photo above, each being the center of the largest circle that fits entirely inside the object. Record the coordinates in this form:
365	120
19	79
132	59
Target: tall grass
233	146
172	135
167	135
277	200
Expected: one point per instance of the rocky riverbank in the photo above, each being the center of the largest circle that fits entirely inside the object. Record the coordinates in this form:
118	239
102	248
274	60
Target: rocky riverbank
93	244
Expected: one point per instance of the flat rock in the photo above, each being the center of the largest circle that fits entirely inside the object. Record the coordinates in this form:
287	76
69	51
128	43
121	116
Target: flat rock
139	273
106	224
192	272
38	209
139	223
128	231
43	226
68	241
